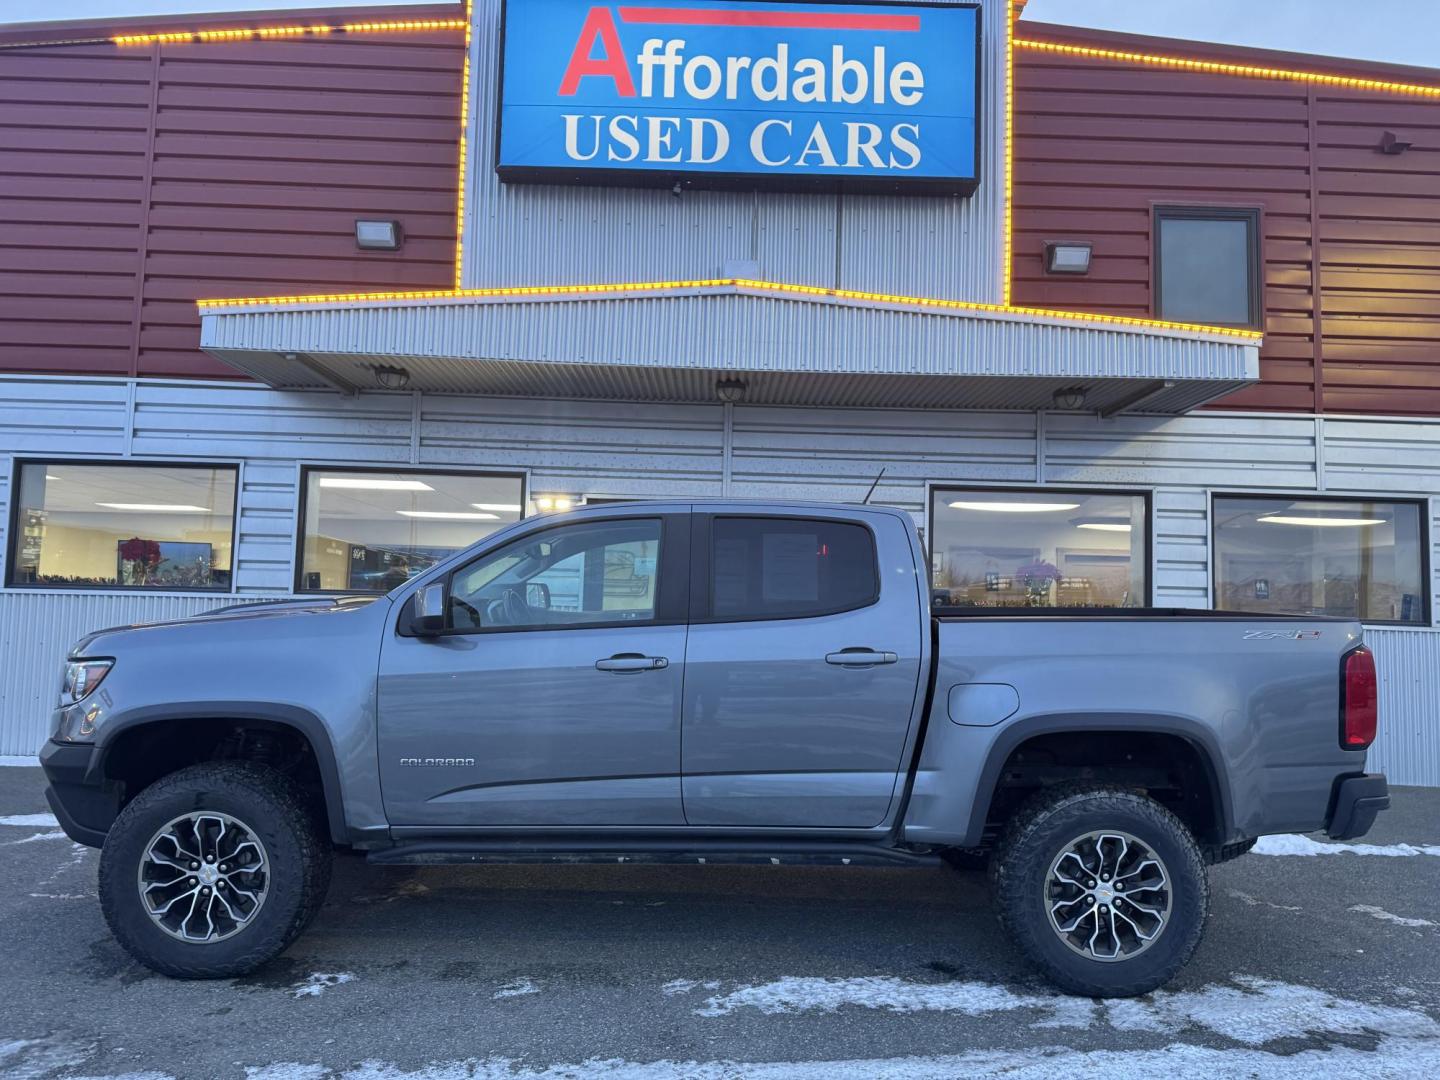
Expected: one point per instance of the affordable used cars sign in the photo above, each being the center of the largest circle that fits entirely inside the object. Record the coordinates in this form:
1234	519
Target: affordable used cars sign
717	93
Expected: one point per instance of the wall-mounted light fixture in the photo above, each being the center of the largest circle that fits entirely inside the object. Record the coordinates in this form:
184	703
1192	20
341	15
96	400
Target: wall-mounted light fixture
1067	258
556	504
377	235
730	390
1390	143
1070	399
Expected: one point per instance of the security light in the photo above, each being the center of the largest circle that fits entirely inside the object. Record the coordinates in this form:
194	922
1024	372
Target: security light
1069	399
377	235
547	504
730	390
391	378
1068	258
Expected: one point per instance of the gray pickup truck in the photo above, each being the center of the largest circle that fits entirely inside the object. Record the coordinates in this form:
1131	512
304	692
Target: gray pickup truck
705	681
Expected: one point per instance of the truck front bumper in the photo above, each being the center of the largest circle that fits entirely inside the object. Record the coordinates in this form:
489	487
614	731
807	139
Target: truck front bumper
80	797
1355	802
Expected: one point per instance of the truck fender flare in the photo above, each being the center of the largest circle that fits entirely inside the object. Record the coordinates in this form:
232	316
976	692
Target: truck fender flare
291	716
1192	731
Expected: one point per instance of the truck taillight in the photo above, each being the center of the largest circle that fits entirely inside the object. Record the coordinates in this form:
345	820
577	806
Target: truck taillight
1359	694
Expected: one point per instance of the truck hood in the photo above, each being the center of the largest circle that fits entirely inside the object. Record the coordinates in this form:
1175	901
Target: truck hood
230	613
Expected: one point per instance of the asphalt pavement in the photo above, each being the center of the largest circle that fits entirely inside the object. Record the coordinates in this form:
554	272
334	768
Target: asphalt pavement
1319	960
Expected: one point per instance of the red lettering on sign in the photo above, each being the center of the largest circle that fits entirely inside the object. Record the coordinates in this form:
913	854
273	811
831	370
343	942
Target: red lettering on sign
599	23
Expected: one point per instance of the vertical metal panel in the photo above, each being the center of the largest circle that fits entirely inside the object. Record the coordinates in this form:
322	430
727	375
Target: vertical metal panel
36	629
556	234
266	529
1407	748
49	416
1181	559
1382	455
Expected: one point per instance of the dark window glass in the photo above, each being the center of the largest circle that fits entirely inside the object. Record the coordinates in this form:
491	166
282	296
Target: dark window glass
773	568
124	526
1208	264
1362	560
370	531
575	575
1042	548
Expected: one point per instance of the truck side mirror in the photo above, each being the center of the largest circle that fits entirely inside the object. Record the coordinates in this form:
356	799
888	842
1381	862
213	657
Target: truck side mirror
537	595
427	611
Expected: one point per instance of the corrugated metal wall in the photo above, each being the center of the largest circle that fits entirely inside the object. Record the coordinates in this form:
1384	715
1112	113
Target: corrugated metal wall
620	449
1099	142
520	234
134	180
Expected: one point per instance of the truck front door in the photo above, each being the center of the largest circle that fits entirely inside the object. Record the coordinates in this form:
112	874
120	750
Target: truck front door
553	696
801	671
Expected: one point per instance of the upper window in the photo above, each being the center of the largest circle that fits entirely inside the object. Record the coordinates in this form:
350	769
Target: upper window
786	568
370	530
588	574
1207	266
1041	548
123	526
1357	558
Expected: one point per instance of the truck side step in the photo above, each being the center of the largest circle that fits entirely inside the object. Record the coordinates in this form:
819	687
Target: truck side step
448	852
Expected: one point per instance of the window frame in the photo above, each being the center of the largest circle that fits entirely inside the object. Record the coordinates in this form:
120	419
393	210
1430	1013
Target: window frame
418	471
669	610
1146	495
702	535
1422	506
1252	215
13	518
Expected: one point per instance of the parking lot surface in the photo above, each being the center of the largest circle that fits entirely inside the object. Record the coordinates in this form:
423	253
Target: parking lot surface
1320	960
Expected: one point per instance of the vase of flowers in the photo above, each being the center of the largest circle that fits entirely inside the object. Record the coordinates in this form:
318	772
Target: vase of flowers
138	560
1036	578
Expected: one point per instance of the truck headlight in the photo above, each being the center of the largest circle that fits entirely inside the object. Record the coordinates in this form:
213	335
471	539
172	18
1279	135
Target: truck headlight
82	678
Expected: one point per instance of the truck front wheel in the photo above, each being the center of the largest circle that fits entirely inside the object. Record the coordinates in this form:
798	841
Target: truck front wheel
213	870
1103	889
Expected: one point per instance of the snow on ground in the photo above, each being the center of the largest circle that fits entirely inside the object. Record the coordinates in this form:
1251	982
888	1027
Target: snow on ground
318	982
1385	916
1293	844
518	988
33	821
56	835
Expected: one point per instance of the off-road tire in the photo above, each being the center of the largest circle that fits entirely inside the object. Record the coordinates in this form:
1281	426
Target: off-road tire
1215	854
1041	829
271	805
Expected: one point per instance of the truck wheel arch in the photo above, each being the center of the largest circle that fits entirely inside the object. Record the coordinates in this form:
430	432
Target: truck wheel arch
1200	738
303	722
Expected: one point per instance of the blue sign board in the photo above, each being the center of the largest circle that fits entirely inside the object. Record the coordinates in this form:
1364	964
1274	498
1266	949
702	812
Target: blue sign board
727	93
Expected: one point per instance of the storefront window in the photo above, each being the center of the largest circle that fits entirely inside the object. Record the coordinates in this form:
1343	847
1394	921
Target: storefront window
1359	559
89	526
1041	548
370	531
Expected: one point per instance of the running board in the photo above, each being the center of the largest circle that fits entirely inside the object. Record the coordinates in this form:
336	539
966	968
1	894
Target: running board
646	852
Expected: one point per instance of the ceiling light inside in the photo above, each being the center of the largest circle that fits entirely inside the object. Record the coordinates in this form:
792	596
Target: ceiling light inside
1104	526
447	515
1319	522
1014	507
157	508
357	483
502	508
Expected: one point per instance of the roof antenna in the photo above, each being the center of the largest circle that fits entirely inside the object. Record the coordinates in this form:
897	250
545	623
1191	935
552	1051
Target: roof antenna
866	501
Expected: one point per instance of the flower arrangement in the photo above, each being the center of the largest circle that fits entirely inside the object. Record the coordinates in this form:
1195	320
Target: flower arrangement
1036	578
141	558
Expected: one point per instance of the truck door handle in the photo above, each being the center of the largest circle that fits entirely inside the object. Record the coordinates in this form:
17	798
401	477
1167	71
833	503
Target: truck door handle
631	662
860	658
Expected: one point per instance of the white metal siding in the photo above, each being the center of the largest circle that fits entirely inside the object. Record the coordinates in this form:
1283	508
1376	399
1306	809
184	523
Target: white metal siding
620	448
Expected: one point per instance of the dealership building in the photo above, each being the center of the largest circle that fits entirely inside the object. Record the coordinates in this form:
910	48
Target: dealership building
299	303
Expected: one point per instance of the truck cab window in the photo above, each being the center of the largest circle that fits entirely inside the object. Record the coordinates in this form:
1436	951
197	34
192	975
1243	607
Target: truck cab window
576	575
786	568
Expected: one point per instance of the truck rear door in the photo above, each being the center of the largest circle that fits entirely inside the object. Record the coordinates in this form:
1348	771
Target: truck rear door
802	668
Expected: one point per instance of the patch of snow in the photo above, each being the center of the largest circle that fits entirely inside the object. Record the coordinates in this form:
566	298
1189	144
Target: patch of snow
1251	901
33	821
518	988
318	982
1294	844
287	1070
678	986
23	1059
795	995
36	836
1385	916
63	896
19	762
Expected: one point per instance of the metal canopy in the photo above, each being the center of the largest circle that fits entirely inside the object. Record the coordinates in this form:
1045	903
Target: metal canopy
675	345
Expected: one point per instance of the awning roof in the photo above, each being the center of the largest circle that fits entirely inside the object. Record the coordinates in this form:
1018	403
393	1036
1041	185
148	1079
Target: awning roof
787	344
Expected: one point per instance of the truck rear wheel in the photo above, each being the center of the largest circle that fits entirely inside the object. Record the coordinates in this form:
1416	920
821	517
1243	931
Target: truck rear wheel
1103	889
213	870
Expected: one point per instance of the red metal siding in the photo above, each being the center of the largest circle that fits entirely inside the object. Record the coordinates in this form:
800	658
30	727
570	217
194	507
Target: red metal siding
1098	143
136	180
